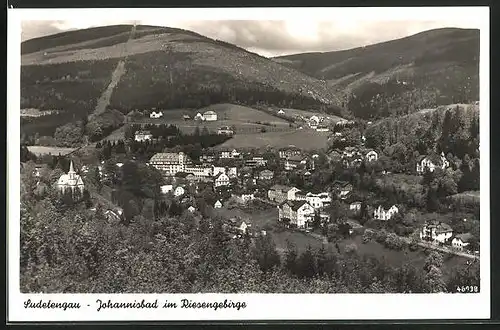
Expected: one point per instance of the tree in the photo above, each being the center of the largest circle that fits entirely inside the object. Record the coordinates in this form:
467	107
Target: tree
434	280
291	257
265	253
434	259
306	266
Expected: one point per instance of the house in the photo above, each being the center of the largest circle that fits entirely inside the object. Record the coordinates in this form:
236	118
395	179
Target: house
186	117
244	227
113	215
281	112
381	214
297	213
199	116
279	193
143	136
70	181
324	217
255	162
322	128
229	154
221	180
266	175
231	172
207	157
165	189
217	204
314	121
289	152
170	163
431	162
210	115
295	162
342	189
199	171
225	130
191	209
156	115
371	156
179	191
244	198
318	200
436	231
119	165
461	241
355	207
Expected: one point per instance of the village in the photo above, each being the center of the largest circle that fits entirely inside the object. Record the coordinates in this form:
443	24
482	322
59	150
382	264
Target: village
253	190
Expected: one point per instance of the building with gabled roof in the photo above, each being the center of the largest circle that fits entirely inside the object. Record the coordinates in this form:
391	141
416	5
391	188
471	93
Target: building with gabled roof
170	163
296	213
70	181
436	231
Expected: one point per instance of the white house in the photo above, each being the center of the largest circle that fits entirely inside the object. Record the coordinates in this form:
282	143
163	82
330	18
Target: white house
281	112
355	207
70	181
243	227
322	128
218	204
221	179
170	163
319	200
156	115
179	191
314	119
143	136
299	213
436	231
431	163
381	214
191	209
165	189
225	130
210	115
461	241
371	156
199	116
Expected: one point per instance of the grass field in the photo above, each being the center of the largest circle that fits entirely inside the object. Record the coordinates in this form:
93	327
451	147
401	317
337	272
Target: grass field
303	139
42	150
398	258
258	219
244	119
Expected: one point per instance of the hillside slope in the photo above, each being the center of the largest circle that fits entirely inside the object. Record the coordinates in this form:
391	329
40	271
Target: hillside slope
429	69
165	68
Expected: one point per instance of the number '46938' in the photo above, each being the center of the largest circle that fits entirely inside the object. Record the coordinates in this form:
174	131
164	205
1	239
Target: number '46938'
468	289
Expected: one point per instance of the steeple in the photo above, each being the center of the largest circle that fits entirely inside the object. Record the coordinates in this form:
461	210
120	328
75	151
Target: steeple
71	172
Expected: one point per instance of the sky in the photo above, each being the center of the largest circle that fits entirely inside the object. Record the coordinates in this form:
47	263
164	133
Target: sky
272	37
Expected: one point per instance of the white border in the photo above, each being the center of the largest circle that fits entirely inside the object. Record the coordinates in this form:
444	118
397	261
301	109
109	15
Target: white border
259	306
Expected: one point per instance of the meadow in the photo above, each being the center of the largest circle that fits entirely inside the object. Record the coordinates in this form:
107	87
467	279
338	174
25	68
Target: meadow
42	150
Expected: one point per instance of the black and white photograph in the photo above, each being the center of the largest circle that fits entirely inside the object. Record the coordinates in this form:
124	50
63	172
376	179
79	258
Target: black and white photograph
219	158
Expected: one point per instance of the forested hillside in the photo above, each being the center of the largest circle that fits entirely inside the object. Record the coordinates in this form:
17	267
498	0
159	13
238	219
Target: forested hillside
429	69
165	68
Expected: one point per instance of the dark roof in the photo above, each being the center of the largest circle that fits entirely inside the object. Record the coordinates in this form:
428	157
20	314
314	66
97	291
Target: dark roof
182	174
342	184
297	158
298	204
467	237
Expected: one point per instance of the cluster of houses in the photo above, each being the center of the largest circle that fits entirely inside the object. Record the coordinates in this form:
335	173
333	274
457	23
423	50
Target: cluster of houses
442	233
299	208
352	156
431	162
206	116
